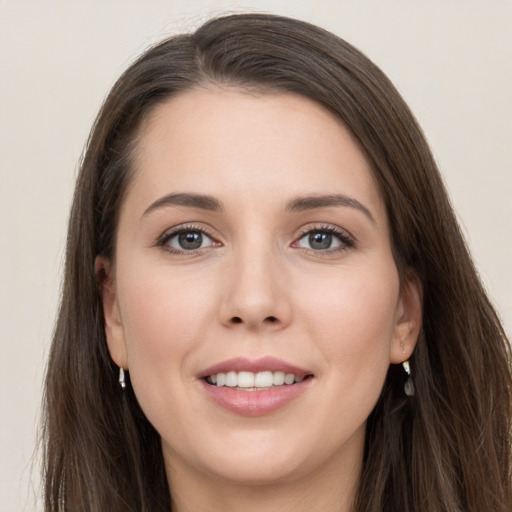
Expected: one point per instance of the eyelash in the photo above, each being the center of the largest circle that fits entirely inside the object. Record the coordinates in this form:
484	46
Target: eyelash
164	239
346	240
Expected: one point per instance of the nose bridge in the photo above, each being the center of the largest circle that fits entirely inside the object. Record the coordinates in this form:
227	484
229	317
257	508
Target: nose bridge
256	295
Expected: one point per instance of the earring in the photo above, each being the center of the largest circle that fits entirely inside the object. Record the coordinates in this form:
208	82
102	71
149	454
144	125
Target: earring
408	386
121	378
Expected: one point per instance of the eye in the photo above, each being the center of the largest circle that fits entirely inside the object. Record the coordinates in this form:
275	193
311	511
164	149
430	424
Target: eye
324	239
186	240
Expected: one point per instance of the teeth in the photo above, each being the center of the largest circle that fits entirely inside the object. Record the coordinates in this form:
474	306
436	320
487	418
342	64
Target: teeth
231	379
289	378
263	380
278	378
245	380
248	380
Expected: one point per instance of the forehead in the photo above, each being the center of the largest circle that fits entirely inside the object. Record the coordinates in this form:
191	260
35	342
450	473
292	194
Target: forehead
229	142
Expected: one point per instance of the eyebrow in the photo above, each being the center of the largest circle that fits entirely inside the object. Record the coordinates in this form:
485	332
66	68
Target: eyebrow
301	203
200	201
322	201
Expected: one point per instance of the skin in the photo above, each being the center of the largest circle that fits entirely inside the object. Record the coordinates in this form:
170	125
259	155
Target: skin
256	288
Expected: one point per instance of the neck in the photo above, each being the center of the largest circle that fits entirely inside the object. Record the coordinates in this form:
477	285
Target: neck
329	489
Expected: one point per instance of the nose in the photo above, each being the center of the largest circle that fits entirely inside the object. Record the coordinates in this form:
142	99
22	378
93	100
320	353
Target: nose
256	292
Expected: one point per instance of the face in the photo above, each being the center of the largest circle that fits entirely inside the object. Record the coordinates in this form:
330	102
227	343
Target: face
253	246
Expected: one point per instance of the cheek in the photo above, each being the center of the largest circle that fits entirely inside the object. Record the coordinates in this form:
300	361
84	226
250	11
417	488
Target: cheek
353	320
161	315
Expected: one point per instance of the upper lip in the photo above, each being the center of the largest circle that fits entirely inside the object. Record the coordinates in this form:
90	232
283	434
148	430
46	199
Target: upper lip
242	364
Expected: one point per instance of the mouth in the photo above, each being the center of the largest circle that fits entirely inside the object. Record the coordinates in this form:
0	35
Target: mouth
249	381
255	388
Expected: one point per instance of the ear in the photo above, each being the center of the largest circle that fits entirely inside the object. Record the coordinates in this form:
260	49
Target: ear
408	318
113	326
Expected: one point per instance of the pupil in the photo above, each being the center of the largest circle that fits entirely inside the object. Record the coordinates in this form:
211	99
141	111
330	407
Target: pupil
190	240
320	240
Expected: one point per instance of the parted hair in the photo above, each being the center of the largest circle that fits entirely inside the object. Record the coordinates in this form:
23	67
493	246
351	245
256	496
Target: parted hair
445	449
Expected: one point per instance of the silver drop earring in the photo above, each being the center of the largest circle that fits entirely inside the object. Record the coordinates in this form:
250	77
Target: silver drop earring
408	386
121	378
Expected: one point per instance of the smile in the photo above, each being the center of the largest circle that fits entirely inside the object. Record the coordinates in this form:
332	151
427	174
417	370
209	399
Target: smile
249	381
254	388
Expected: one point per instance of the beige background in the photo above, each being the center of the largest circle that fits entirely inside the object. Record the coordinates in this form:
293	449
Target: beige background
452	60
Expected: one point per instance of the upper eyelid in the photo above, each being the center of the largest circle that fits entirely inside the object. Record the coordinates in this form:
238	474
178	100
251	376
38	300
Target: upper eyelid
170	232
332	228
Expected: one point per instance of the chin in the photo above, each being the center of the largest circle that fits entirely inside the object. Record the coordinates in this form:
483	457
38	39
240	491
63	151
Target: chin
257	457
259	471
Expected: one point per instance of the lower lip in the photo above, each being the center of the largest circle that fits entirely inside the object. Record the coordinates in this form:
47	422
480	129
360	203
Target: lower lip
255	403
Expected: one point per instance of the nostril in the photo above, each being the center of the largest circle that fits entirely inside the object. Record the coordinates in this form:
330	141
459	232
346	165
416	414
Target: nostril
269	319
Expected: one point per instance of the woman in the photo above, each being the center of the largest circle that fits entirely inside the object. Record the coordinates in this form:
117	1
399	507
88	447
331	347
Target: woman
259	237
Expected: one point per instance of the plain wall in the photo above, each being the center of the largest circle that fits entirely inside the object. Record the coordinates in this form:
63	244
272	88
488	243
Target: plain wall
452	61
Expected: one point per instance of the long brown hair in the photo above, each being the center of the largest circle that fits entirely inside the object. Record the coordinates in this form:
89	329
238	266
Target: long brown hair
448	448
